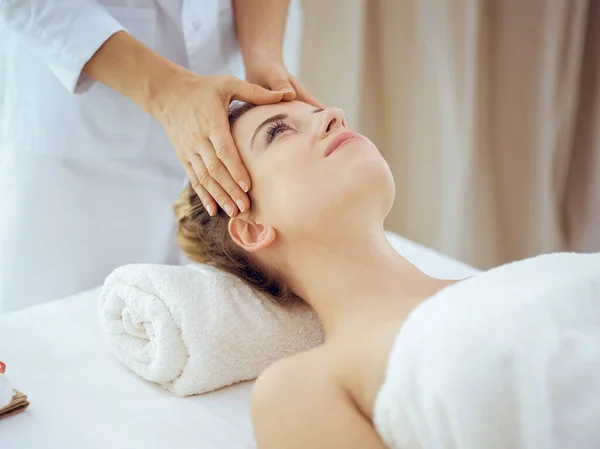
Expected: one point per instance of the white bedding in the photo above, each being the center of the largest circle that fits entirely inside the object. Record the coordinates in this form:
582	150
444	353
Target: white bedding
506	359
81	397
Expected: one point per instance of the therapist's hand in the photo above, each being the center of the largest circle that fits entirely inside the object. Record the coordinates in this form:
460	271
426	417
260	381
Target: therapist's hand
194	112
274	76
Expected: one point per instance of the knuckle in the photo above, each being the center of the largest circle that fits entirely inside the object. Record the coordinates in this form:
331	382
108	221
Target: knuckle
203	177
197	135
222	199
255	89
214	168
195	183
222	150
231	190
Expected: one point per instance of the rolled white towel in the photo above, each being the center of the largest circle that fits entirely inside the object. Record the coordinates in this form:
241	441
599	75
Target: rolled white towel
196	329
507	359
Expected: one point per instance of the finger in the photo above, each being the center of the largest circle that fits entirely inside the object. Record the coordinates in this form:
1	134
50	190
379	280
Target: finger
216	172
253	93
235	179
226	150
288	95
302	94
281	83
214	190
207	201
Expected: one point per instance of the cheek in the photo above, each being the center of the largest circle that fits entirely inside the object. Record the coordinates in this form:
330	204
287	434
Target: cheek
284	186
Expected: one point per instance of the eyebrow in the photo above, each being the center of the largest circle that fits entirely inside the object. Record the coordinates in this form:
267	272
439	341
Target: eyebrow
274	118
271	119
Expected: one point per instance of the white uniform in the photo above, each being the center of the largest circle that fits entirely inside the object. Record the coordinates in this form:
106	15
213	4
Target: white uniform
87	179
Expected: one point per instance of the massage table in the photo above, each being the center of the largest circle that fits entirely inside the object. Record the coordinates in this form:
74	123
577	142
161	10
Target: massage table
83	398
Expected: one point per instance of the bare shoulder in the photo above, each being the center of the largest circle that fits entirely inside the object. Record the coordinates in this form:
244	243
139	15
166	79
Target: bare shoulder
292	376
298	402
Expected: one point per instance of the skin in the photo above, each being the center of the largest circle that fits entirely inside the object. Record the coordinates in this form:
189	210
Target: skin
193	108
319	221
261	45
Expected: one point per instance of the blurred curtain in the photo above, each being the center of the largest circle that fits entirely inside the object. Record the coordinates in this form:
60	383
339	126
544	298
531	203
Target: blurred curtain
488	112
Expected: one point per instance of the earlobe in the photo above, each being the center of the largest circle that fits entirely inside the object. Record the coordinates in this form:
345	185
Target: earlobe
250	236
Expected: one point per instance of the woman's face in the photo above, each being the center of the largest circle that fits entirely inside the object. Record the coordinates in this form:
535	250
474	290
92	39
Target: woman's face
308	170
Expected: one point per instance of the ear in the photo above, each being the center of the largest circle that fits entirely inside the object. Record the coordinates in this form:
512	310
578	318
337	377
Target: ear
249	235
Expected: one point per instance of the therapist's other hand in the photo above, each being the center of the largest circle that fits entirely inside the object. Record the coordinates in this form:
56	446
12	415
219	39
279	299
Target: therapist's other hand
194	112
274	76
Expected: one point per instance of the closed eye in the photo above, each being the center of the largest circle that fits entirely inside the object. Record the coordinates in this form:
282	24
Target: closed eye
276	129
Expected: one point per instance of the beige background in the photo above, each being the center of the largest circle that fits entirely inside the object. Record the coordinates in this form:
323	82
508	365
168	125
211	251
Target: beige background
486	111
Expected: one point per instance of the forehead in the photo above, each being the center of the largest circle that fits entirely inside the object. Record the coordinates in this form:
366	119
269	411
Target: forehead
244	127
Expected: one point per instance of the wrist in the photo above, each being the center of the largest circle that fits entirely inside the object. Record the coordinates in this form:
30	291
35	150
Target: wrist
136	71
161	86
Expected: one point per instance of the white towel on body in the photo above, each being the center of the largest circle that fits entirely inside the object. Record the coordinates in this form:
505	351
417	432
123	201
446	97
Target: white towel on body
508	359
196	329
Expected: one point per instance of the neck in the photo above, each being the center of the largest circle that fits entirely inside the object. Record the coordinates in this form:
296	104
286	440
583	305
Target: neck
356	281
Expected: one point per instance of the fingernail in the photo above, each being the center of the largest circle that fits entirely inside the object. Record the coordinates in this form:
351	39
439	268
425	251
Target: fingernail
229	209
240	205
210	210
243	185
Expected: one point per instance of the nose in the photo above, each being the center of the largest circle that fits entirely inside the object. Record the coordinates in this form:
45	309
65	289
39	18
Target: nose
331	120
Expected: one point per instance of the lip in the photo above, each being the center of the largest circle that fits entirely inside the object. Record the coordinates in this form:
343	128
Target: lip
339	140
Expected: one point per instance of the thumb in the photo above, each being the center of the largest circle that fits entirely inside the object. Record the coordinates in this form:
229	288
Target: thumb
253	93
277	78
283	85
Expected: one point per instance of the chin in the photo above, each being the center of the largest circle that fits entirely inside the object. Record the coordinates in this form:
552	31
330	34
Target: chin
350	201
378	181
369	165
368	183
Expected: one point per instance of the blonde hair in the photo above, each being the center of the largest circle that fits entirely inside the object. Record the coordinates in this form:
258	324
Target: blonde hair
206	239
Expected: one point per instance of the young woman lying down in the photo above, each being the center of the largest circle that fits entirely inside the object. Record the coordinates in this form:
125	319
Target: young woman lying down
509	358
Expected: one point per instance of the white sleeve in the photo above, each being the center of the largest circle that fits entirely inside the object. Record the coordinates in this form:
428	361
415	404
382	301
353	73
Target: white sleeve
65	34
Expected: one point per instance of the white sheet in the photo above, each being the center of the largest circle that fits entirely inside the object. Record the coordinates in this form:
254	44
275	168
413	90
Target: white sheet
506	359
81	397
